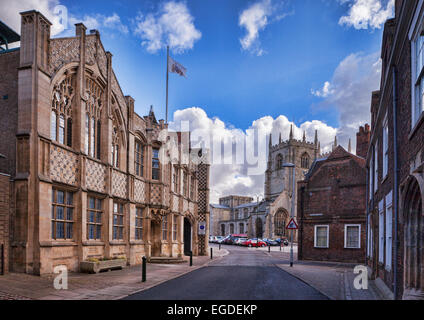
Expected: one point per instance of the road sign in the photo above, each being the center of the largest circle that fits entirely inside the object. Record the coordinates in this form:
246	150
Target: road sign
202	228
292	225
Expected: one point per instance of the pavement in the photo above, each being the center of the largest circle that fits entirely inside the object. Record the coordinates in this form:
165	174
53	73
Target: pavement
235	273
335	280
111	285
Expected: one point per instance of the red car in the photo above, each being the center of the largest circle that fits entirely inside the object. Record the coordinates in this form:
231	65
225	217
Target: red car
254	243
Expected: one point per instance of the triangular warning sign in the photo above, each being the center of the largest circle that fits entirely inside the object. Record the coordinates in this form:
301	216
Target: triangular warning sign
292	225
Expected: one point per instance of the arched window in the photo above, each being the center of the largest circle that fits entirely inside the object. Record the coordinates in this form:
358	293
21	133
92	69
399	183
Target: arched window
222	229
246	213
139	158
280	220
61	115
231	228
241	227
115	148
156	165
94	94
279	162
305	161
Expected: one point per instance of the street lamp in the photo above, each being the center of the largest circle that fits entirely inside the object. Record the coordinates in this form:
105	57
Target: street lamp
293	166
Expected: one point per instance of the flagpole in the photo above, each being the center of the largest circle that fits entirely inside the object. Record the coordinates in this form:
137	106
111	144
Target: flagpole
167	78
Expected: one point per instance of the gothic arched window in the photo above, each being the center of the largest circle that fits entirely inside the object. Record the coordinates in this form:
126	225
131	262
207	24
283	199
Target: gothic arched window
94	95
305	161
280	220
61	115
115	147
279	162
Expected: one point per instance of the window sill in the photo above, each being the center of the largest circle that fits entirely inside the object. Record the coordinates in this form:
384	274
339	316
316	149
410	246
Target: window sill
93	243
137	242
347	248
57	243
117	242
416	126
321	247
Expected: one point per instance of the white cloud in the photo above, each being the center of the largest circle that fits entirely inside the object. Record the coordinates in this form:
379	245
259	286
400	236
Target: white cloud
255	19
62	20
364	14
234	178
10	10
350	92
325	91
171	25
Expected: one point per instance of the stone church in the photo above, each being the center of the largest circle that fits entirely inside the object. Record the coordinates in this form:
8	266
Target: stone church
269	217
86	172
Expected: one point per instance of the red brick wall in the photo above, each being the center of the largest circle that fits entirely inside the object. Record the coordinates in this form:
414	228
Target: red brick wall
9	63
333	195
4	218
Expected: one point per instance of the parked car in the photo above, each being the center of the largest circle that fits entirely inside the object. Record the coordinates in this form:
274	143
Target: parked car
239	241
212	239
271	243
218	239
284	241
231	239
255	243
224	240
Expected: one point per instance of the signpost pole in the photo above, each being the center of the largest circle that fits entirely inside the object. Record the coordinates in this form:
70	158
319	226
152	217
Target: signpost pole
292	214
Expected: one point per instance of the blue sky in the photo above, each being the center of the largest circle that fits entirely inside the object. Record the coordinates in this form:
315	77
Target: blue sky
261	64
302	52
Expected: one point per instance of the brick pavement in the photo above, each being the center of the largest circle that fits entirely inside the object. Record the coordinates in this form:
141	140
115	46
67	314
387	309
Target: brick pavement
335	280
111	285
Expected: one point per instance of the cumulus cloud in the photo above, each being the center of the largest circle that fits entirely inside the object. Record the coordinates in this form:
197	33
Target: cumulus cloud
171	25
255	19
364	14
350	92
10	10
231	176
324	92
62	20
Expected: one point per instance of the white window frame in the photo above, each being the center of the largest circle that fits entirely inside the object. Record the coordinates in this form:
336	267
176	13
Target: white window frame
381	235
385	148
389	231
415	30
328	236
345	236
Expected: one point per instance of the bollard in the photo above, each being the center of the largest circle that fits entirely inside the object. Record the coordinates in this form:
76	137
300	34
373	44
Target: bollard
269	249
191	258
143	271
280	245
211	253
220	247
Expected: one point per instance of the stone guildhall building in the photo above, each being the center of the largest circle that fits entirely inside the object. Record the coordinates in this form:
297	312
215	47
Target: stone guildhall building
83	170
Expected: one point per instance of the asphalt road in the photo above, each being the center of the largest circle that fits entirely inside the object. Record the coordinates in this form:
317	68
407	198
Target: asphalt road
244	274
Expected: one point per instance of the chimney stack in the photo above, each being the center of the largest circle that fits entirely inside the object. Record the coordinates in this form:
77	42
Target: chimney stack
363	138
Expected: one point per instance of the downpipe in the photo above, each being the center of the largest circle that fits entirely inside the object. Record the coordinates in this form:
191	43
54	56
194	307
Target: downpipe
396	183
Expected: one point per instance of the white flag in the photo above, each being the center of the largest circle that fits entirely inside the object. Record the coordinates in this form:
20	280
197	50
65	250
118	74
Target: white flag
176	67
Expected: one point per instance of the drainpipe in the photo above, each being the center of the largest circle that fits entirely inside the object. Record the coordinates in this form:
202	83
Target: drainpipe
396	182
368	216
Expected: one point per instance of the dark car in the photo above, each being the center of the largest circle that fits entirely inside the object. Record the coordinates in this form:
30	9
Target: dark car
282	241
271	243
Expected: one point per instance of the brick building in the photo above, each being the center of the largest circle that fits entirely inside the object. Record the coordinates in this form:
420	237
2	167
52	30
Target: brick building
5	209
89	175
331	206
396	157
